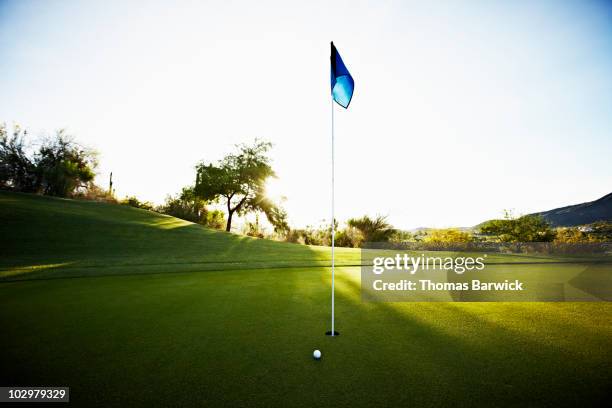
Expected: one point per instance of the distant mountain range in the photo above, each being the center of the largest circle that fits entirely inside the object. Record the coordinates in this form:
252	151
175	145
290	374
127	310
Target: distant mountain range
579	214
570	216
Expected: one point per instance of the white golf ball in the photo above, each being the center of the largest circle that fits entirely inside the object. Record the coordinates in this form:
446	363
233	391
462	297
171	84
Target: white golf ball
316	354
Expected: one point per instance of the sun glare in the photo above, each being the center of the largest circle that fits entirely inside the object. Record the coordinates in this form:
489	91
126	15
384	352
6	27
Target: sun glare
274	189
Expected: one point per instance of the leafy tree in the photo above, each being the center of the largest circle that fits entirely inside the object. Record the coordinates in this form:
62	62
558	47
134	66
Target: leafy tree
527	228
64	166
17	169
60	167
275	214
373	229
239	180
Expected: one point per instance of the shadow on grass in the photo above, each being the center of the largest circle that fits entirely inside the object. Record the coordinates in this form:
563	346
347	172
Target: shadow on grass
134	248
441	353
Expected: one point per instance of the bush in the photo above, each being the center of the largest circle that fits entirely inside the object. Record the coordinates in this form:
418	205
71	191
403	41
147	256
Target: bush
136	203
448	235
310	236
295	236
402	236
373	229
189	207
253	229
96	193
215	219
528	228
597	232
349	237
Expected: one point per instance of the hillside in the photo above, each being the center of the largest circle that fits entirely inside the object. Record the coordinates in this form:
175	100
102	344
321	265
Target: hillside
53	237
46	237
579	214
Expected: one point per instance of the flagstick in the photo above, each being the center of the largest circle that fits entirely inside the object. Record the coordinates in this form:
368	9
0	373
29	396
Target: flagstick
333	229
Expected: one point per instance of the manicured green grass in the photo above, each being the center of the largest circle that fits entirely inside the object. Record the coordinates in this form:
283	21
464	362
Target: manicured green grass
45	237
163	313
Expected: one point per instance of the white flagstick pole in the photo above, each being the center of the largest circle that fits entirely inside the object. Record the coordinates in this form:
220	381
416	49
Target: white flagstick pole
333	232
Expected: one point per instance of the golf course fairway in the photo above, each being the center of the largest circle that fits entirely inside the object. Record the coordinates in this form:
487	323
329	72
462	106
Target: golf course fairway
132	308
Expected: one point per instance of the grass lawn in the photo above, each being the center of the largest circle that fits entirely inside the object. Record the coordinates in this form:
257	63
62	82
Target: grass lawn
131	308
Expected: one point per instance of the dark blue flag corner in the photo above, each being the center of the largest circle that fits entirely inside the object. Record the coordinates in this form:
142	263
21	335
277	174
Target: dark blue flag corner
342	83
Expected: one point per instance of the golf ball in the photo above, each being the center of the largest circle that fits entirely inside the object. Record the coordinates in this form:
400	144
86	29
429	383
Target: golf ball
316	354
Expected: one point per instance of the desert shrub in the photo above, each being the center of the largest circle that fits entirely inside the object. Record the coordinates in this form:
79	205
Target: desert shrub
527	228
215	219
402	236
96	193
373	229
447	235
295	236
349	237
186	206
136	203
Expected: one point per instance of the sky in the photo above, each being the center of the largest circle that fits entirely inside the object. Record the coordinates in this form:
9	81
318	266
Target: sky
460	110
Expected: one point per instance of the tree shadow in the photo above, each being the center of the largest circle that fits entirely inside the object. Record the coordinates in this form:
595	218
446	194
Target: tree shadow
454	352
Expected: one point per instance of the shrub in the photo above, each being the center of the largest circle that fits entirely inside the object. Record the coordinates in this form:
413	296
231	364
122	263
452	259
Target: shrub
136	203
448	235
528	228
372	229
215	219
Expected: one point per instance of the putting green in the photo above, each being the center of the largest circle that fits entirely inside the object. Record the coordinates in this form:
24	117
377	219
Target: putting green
131	308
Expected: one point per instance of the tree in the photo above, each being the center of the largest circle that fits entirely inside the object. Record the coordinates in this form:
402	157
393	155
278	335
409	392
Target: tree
64	166
17	169
373	229
527	228
239	180
275	214
61	167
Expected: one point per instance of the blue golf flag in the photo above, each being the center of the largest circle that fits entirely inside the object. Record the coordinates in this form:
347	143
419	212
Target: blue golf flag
342	83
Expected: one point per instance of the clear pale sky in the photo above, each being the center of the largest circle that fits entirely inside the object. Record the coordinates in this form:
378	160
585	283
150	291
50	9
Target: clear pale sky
461	109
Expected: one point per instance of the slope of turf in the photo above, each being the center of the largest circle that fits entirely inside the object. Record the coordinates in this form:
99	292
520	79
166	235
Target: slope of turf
45	237
149	331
